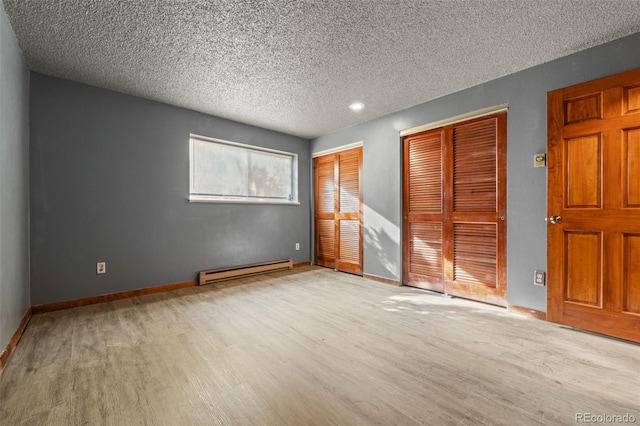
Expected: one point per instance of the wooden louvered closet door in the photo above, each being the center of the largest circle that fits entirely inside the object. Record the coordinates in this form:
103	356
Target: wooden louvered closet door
454	209
325	200
424	210
338	211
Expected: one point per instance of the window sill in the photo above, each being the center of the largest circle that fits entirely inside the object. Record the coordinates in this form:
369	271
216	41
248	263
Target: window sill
199	199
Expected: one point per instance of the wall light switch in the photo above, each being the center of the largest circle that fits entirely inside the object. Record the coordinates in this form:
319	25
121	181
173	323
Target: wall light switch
539	278
540	160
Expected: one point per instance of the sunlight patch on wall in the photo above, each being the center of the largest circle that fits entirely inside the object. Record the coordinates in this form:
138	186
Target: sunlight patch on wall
381	237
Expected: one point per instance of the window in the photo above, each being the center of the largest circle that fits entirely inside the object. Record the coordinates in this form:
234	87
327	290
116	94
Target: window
230	172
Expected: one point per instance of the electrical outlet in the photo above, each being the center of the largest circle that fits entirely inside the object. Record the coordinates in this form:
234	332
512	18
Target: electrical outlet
538	278
297	246
101	268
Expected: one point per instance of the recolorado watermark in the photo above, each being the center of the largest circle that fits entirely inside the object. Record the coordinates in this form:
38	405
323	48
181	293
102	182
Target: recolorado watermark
606	418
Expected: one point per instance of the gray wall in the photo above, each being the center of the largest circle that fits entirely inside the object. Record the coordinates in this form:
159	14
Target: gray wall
110	180
14	183
525	92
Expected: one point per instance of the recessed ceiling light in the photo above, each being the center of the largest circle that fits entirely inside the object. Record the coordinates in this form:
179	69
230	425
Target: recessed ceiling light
356	106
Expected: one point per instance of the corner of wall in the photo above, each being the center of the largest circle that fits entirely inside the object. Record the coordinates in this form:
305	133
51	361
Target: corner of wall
14	184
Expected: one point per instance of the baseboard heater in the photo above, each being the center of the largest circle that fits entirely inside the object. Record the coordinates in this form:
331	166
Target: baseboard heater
214	275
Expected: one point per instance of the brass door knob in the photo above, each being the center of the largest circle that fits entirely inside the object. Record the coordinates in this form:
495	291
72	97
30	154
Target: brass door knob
555	219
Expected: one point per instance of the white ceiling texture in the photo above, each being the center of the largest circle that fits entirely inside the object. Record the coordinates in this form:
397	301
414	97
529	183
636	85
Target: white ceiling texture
296	65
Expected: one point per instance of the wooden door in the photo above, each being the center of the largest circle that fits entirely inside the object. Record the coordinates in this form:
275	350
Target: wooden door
325	200
594	206
424	210
338	211
454	207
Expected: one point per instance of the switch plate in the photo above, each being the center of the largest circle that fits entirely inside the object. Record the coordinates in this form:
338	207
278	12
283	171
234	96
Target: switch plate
101	268
539	278
540	160
297	246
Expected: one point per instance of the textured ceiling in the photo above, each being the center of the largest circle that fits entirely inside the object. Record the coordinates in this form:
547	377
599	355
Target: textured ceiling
295	66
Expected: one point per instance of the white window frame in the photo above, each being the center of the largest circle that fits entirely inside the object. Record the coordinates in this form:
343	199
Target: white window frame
196	197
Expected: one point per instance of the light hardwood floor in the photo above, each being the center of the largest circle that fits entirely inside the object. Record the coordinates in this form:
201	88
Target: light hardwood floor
310	346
